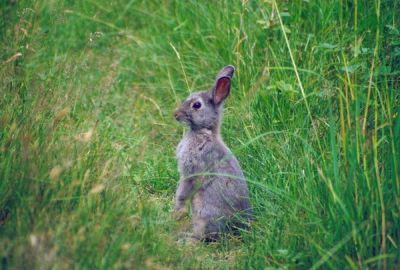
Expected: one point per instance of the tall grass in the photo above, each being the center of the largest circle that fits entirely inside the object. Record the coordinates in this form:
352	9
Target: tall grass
87	168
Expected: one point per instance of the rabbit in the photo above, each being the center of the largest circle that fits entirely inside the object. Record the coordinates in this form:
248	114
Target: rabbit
210	175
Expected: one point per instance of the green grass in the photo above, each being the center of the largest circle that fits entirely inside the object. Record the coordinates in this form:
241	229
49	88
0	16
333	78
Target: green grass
87	138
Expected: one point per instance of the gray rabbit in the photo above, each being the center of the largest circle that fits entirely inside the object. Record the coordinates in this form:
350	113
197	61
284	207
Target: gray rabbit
210	174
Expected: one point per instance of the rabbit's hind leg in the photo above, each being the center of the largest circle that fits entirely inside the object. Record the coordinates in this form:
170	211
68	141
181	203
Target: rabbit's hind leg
199	227
206	229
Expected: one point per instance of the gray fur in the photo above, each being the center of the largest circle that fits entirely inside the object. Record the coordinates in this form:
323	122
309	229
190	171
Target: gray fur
210	174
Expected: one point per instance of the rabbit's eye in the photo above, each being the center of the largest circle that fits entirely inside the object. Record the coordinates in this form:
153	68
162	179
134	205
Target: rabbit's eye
196	105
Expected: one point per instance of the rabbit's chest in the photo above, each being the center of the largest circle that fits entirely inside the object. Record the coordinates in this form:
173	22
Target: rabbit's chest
190	155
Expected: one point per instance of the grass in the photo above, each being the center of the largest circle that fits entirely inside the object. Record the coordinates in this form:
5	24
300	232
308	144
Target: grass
87	136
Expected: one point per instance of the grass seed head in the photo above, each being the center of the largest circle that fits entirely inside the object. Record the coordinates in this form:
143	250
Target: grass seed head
97	189
55	173
85	136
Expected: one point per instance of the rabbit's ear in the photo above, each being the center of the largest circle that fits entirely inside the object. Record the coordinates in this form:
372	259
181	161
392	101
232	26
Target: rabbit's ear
226	72
221	90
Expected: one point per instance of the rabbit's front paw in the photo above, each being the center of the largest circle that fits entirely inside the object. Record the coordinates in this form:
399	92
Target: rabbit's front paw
179	213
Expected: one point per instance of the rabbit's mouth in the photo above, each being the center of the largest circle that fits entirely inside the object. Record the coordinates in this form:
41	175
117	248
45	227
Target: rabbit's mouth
182	117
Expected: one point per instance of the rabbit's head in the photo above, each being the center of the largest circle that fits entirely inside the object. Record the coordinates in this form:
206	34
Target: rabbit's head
203	109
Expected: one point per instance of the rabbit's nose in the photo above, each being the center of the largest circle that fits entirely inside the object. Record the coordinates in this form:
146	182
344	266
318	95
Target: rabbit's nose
178	114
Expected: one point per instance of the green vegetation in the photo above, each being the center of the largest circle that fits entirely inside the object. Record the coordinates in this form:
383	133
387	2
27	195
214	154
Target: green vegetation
87	138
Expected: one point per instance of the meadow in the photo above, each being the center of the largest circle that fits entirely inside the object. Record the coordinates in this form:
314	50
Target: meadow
87	137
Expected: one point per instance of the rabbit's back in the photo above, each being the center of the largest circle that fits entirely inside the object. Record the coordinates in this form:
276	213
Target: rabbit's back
224	191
